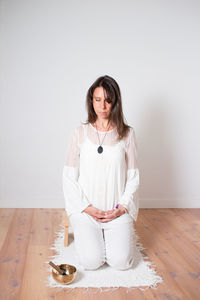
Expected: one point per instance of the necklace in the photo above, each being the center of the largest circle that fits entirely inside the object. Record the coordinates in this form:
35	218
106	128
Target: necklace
100	148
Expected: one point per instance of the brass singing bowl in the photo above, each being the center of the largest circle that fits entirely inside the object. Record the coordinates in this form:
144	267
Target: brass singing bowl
68	277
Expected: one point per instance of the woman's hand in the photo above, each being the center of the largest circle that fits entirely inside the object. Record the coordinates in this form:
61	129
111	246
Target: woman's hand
106	216
113	214
95	212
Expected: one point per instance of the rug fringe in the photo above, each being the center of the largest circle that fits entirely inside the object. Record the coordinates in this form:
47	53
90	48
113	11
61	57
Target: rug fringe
95	290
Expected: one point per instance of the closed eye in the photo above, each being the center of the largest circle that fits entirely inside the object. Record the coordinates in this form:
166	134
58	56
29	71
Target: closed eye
107	100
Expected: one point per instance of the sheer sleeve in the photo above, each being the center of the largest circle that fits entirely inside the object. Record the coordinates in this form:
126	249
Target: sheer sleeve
75	199
130	197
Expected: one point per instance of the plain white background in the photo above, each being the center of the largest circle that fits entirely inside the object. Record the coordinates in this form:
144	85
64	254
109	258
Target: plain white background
52	51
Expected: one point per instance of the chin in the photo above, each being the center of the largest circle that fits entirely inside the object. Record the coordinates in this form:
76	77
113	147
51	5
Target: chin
104	116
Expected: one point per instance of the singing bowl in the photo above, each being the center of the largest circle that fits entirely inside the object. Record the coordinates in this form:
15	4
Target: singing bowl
70	274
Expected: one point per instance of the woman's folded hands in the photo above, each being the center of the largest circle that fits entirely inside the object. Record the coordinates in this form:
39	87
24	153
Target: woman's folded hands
103	215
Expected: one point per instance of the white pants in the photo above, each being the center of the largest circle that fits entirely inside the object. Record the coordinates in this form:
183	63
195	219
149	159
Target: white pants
96	243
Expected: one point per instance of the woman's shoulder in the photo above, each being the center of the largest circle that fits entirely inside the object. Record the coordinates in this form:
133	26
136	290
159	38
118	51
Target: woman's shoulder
130	131
130	135
131	128
79	127
79	131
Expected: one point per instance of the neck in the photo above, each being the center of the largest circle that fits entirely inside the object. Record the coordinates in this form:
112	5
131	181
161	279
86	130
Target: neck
103	123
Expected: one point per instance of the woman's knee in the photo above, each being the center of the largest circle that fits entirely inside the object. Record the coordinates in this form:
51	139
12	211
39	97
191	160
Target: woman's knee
121	262
92	262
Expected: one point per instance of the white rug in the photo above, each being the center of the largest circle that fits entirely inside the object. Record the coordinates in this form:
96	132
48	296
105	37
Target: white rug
141	275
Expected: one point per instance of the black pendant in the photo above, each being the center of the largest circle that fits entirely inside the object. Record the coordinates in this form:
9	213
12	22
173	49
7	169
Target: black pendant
100	149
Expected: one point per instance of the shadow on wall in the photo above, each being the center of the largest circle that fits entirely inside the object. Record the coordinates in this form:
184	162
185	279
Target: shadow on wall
160	182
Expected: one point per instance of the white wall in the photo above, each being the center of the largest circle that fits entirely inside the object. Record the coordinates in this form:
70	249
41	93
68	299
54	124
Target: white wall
52	51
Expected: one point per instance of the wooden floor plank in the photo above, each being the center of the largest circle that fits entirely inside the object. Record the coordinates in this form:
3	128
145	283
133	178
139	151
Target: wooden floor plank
175	232
13	253
6	216
166	252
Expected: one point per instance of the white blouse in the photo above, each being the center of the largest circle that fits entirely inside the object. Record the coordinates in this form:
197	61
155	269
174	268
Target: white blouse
103	180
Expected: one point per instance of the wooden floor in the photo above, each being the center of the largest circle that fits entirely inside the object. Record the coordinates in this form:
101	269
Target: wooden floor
171	238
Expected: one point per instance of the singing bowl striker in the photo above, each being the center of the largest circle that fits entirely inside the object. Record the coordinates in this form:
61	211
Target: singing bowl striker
70	274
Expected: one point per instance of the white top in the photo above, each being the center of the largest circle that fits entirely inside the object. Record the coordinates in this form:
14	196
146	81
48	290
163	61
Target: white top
103	180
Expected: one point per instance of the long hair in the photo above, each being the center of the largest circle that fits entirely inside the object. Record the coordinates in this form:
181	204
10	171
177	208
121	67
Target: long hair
113	95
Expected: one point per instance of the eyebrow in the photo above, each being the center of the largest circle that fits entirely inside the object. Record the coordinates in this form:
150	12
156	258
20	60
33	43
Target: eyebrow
99	98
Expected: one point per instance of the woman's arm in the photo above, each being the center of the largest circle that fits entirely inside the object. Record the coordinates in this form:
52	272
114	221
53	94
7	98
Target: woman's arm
75	199
130	197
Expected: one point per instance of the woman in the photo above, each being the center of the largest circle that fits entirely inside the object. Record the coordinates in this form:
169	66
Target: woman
101	180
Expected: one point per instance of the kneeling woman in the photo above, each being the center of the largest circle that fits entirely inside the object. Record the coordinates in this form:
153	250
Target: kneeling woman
101	180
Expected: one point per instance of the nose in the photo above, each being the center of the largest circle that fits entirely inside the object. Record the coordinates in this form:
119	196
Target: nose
103	104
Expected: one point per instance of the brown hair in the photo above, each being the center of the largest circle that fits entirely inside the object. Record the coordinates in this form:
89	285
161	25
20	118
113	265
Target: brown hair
113	95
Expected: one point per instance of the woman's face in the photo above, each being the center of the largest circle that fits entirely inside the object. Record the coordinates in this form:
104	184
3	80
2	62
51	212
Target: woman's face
101	107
